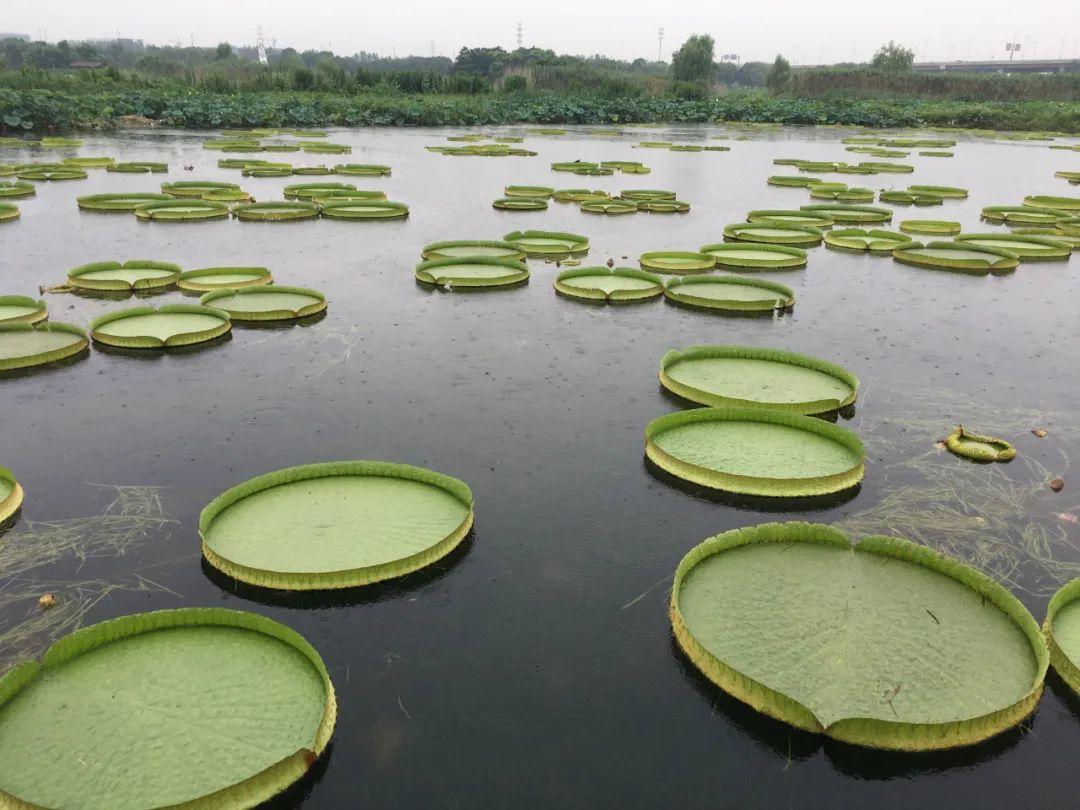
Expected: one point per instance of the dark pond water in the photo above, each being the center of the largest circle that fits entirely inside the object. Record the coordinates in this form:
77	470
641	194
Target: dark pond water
535	668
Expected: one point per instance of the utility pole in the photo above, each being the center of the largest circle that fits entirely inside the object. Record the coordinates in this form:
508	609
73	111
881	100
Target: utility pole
520	35
660	47
433	47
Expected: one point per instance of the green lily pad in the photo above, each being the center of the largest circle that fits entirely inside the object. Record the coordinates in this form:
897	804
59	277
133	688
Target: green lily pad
118	202
206	706
472	271
930	227
885	644
209	279
275	211
136	274
749	256
266	303
754	451
548	243
611	285
21	309
871	241
850	214
959	257
11	497
746	376
363	209
677	261
23	345
1026	246
791	217
463	248
335	525
169	326
729	293
774	233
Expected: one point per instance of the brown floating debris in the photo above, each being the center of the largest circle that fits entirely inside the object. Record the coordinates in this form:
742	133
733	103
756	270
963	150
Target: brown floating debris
1057	484
46	601
1039	432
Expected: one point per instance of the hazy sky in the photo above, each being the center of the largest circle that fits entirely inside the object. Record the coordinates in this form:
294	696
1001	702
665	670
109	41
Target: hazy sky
805	32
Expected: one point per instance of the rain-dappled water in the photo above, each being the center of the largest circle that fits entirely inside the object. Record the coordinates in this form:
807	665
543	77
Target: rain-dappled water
535	666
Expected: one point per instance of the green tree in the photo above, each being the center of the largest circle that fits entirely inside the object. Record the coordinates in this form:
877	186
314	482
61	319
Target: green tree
893	58
223	51
480	61
779	75
693	62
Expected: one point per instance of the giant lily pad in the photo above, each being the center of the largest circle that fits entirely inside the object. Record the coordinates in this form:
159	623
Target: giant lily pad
850	214
729	293
138	167
746	376
774	233
17	190
362	170
11	497
610	285
548	243
276	211
21	309
677	261
1071	204
959	257
872	241
884	644
754	451
338	208
197	707
521	203
756	256
930	227
186	210
608	206
1023	214
266	303
472	271
791	217
1026	246
948	192
118	202
136	274
458	249
335	525
541	192
8	212
209	279
23	345
1062	631
149	328
196	189
307	191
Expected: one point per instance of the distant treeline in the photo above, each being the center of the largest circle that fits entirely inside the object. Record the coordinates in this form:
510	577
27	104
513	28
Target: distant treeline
228	69
863	82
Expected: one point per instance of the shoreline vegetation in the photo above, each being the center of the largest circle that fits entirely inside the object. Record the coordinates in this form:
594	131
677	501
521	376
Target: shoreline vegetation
36	110
47	87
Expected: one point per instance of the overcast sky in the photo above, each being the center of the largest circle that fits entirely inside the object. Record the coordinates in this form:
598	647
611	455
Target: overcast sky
805	32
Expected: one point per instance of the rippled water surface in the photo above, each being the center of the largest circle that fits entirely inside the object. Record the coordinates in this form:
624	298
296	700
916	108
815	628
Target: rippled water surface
535	667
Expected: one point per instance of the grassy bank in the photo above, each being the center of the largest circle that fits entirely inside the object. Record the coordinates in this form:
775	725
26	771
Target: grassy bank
50	110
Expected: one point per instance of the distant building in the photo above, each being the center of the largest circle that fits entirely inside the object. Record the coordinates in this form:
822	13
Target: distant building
86	64
22	37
